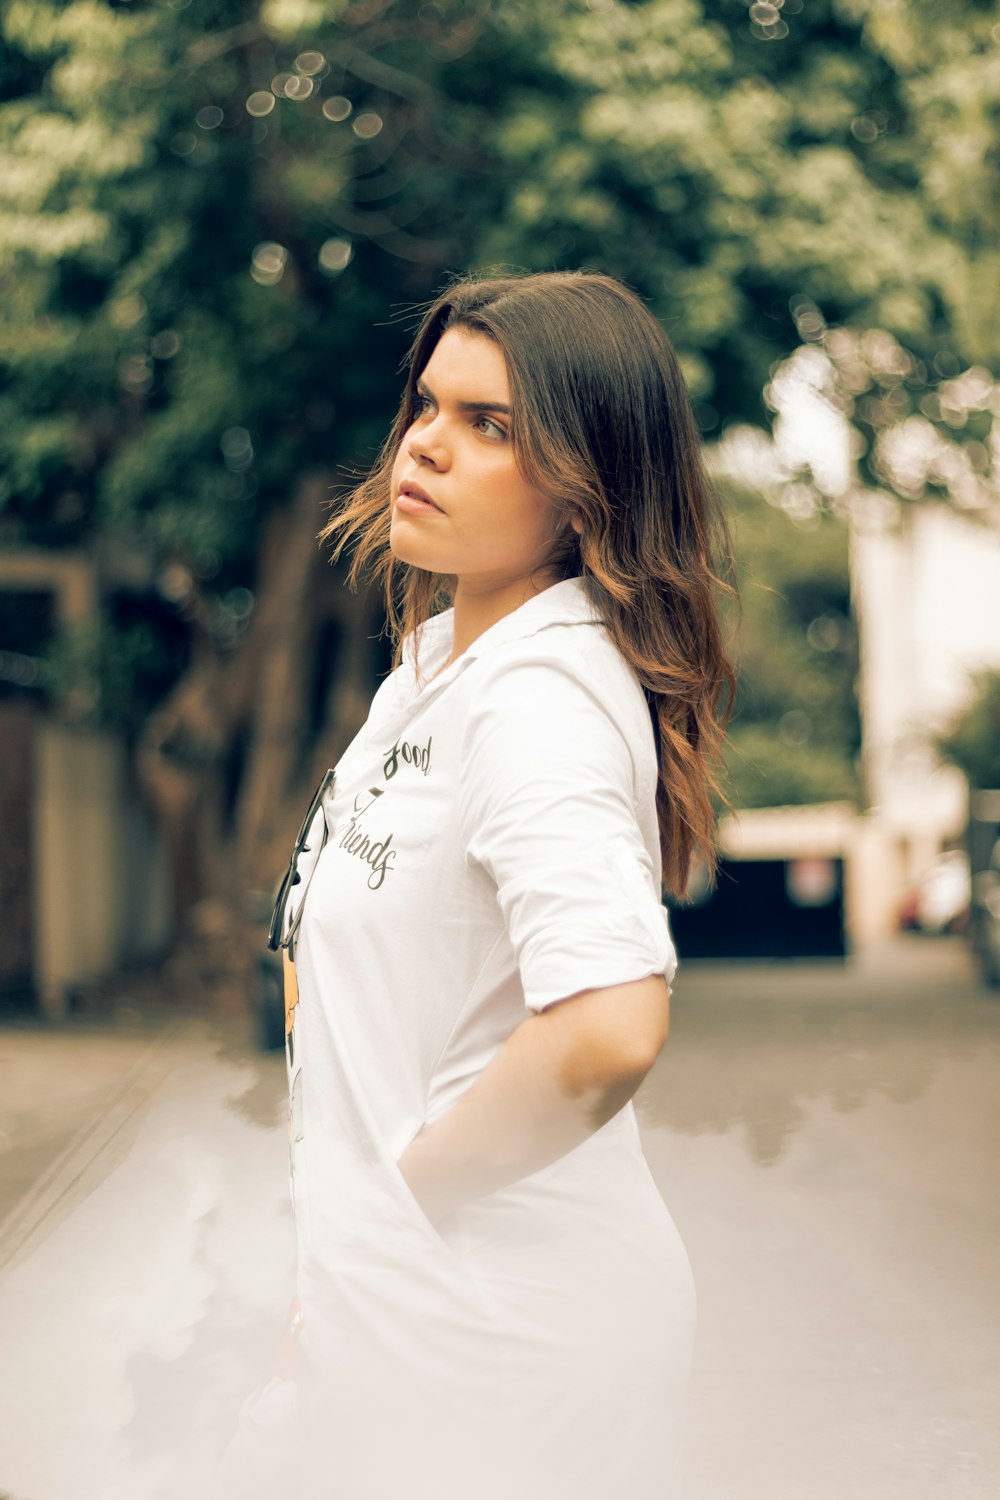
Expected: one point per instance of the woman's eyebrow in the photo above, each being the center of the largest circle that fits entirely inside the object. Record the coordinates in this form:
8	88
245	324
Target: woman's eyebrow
424	390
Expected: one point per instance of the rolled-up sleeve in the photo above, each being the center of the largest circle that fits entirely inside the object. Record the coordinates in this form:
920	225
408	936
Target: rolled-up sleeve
547	810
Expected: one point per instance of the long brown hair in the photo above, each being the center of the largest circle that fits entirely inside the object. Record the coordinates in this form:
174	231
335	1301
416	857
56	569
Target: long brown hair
602	424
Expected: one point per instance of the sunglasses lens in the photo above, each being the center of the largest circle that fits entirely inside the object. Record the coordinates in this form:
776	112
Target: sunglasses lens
314	806
275	940
278	914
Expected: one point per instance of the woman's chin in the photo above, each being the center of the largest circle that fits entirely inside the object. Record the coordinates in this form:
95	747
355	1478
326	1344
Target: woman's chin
408	550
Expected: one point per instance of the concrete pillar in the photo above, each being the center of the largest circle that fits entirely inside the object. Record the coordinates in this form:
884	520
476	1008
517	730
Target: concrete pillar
101	878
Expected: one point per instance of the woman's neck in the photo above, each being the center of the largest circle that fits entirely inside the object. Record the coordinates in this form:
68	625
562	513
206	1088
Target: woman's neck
476	608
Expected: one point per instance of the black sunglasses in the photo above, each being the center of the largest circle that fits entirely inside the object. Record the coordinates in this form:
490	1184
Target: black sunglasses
275	940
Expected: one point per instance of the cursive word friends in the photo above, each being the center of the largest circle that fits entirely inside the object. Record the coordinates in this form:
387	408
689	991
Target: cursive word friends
377	853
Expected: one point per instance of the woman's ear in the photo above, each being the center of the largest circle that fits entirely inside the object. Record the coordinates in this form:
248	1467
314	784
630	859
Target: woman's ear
576	521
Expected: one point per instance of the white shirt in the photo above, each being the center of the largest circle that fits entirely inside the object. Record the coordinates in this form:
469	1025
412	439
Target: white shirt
491	847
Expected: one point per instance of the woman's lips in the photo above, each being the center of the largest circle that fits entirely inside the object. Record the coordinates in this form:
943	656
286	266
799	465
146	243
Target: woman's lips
414	500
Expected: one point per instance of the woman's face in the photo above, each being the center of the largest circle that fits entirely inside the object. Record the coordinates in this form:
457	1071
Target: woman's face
460	505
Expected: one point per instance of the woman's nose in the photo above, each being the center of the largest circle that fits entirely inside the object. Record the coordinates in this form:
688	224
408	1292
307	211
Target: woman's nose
427	444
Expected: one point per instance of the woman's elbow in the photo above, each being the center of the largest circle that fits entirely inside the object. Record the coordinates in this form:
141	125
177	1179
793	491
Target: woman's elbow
643	1010
623	1029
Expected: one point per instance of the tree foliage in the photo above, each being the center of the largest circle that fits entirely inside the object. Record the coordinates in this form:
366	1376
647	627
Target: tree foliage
217	220
795	734
973	741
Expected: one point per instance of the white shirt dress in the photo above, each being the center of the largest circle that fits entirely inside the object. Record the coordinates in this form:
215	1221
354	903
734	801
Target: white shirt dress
490	849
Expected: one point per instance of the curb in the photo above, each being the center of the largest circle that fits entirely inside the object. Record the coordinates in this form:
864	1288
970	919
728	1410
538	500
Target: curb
68	1179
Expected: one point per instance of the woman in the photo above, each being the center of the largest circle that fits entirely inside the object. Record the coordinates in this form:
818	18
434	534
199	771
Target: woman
494	1299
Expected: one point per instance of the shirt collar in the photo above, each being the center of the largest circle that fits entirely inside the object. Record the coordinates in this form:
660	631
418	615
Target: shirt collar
401	696
565	603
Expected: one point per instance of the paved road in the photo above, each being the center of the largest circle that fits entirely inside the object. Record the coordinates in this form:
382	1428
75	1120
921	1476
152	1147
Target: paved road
826	1138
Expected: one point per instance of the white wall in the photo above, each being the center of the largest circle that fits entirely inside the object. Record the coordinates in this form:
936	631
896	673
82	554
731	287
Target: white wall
926	584
102	889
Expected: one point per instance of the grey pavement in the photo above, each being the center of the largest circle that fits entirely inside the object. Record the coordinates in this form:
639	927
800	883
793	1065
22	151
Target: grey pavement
826	1137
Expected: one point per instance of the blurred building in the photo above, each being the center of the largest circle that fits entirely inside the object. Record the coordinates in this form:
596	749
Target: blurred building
83	873
925	591
926	587
830	879
85	876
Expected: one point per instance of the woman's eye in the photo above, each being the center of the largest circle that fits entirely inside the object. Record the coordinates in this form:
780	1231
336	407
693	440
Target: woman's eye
491	428
422	407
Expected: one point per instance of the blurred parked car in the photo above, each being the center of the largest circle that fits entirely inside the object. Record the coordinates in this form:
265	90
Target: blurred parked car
267	986
939	903
267	1000
985	917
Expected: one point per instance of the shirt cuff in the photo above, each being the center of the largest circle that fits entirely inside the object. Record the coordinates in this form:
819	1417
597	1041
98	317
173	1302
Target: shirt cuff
563	961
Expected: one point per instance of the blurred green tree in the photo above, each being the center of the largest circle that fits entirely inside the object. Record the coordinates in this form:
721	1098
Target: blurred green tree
216	220
973	741
795	734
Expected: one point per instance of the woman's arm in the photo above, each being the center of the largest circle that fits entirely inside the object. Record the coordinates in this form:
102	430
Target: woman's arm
560	1076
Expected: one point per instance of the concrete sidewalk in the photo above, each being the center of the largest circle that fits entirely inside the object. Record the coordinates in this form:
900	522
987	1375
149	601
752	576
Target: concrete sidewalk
150	1266
66	1094
825	1137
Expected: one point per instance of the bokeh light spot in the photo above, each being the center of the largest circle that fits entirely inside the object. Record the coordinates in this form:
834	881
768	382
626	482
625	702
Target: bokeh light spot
795	727
338	108
335	256
771	30
136	373
310	62
260	103
368	125
237	449
164	345
298	87
209	118
240	602
175	582
267	264
128	311
826	632
946	364
23	671
864	128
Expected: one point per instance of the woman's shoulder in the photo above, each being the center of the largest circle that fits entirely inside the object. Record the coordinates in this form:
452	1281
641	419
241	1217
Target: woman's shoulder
569	674
426	636
582	651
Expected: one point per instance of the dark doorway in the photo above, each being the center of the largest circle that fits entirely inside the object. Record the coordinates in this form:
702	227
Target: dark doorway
19	721
766	908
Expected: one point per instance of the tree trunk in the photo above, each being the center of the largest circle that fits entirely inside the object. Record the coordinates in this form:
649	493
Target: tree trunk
284	630
251	709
